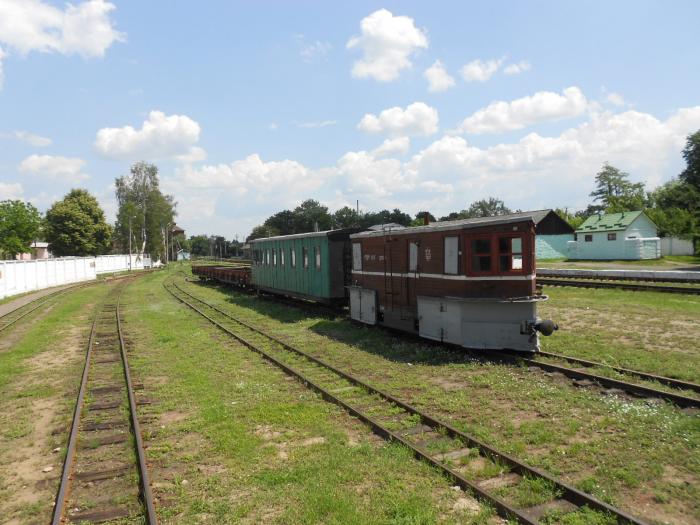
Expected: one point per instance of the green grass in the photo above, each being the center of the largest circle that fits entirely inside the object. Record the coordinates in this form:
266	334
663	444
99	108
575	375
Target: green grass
620	450
668	262
246	424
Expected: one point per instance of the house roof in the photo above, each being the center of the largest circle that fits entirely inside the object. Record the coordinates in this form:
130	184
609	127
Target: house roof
608	222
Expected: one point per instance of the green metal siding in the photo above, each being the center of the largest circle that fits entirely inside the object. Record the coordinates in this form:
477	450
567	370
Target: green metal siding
302	281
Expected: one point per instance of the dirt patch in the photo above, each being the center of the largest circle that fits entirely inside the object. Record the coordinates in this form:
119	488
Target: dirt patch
31	463
12	335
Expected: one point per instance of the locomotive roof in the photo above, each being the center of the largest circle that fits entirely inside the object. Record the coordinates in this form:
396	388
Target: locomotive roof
461	224
326	233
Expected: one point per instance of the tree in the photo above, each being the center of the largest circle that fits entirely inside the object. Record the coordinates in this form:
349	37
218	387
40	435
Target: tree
574	219
673	222
310	215
199	245
616	193
691	154
144	211
345	217
20	223
76	226
489	207
420	218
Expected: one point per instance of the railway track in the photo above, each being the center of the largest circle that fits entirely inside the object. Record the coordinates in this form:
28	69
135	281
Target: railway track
20	312
446	448
592	283
105	476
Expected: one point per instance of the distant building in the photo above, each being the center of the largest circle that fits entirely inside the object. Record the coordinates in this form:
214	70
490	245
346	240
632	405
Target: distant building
608	236
183	255
37	250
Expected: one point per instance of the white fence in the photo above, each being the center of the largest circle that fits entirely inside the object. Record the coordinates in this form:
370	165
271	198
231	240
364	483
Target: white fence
676	246
25	276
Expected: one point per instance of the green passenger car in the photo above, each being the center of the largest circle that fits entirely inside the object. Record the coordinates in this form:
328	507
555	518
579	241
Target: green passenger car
313	266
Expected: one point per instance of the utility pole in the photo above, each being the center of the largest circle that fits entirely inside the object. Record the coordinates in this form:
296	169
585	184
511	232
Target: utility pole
129	243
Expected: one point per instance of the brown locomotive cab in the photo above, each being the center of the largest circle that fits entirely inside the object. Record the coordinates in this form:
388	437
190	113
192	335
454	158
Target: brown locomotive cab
468	282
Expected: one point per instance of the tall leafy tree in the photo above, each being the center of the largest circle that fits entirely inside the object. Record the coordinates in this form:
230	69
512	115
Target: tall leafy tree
143	210
691	154
489	207
615	193
20	223
310	215
76	226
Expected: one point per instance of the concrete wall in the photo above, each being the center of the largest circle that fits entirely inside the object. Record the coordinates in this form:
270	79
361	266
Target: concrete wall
552	246
676	246
25	276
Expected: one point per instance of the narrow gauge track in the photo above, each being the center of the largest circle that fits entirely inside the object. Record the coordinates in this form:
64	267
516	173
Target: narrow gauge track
20	312
105	476
592	283
578	374
440	444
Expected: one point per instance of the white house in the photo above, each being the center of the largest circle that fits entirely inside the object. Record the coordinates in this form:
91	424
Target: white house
627	235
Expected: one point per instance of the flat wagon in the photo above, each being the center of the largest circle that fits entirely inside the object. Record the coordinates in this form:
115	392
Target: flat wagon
468	282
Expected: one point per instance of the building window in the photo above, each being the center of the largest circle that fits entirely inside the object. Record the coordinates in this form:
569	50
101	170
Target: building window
481	255
588	238
413	256
274	257
293	257
451	255
317	257
510	254
356	256
612	236
281	256
305	257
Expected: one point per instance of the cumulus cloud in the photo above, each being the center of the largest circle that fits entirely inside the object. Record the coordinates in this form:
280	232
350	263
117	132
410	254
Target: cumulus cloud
615	99
543	106
161	137
517	68
397	146
32	139
479	70
438	78
64	169
85	29
387	43
10	191
417	119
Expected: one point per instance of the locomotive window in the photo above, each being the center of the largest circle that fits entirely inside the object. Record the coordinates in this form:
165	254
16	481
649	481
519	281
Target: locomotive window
274	257
282	256
317	257
293	258
481	255
413	257
356	256
451	255
510	254
305	257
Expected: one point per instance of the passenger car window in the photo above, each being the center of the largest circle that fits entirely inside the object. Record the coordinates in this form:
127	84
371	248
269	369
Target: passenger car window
274	257
510	254
305	257
481	255
282	256
317	257
293	257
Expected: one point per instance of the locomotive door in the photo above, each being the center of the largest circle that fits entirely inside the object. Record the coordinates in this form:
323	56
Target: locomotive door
411	279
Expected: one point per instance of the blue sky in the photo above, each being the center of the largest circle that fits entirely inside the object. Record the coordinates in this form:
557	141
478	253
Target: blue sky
248	108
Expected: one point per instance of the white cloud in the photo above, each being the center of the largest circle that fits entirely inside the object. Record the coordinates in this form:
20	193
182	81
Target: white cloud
85	29
32	139
64	169
480	71
438	78
397	146
160	137
387	43
317	124
541	107
10	191
273	126
615	99
517	68
417	119
313	50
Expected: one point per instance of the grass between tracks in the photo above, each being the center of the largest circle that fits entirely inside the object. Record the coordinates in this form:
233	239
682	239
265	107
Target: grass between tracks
41	359
231	440
641	456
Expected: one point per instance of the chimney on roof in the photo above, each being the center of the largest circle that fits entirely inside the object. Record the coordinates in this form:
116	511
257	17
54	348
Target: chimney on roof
426	218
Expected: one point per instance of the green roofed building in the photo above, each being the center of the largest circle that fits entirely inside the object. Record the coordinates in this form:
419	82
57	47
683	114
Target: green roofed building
608	236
